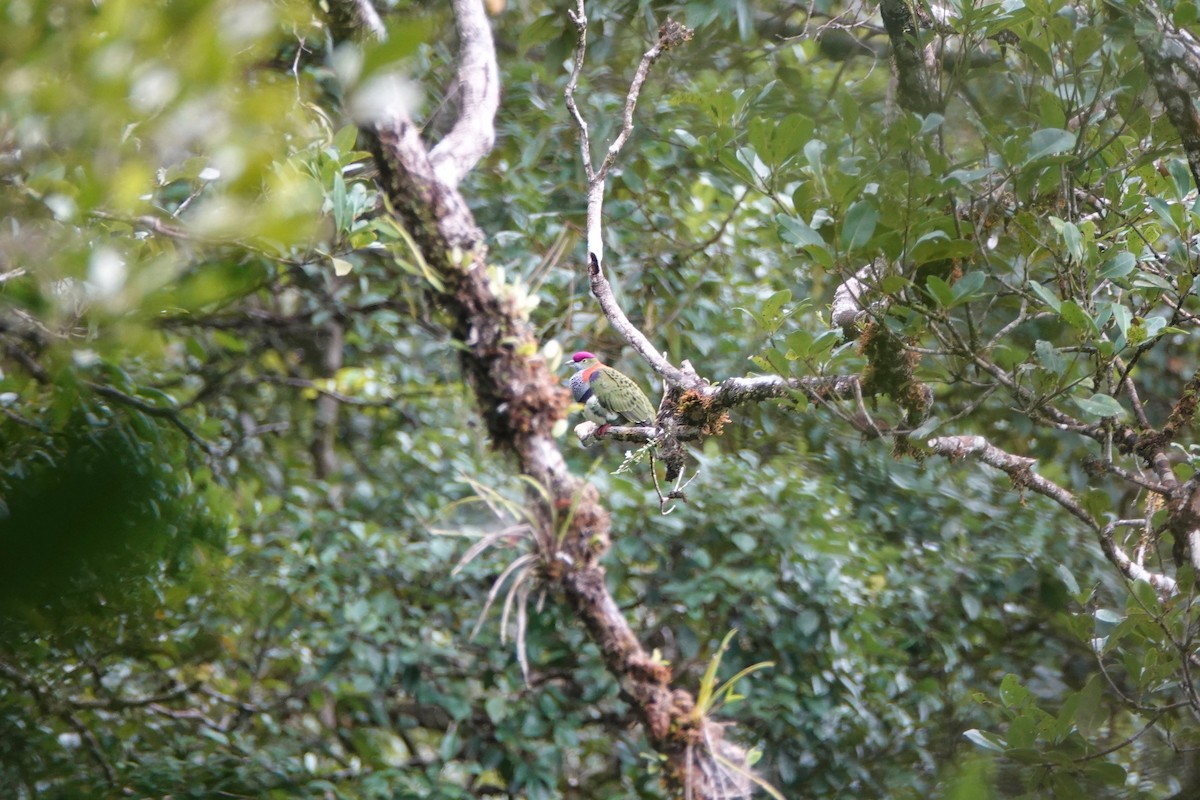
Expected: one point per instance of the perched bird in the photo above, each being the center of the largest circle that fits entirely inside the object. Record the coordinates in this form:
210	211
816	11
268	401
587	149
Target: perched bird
608	396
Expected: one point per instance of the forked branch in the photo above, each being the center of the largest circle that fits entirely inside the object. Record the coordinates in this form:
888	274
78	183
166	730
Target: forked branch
671	34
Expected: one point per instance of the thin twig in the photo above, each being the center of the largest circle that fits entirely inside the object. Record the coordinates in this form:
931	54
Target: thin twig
169	414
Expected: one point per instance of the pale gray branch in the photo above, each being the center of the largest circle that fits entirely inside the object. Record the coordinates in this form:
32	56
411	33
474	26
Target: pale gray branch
739	391
579	18
671	34
849	297
478	87
1020	470
1130	568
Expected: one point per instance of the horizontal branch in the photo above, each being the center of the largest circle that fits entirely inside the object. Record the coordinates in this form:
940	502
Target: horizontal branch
739	391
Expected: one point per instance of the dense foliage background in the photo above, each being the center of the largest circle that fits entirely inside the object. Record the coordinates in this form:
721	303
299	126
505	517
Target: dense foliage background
240	464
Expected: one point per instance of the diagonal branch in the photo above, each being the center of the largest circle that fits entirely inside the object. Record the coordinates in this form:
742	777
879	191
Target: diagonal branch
521	402
1020	470
579	18
356	17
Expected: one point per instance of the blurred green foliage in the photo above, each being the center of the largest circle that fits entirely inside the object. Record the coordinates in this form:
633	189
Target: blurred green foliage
196	601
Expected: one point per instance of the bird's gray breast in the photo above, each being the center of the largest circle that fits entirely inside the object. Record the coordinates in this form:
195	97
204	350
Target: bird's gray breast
580	388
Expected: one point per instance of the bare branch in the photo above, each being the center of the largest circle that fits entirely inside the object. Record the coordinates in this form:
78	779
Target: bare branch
478	87
169	414
579	17
1020	470
608	304
1129	568
671	34
847	298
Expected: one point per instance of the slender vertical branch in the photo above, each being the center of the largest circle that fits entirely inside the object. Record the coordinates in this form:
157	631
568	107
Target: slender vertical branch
579	18
478	88
670	34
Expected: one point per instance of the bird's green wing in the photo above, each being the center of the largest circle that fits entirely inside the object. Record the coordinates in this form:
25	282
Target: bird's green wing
619	394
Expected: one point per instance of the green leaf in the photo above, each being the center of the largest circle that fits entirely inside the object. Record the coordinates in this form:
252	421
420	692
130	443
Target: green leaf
772	309
1025	755
859	225
1048	297
940	291
988	741
1064	723
1050	358
1099	406
1071	236
794	230
1163	210
941	248
1012	693
1092	713
1022	731
1123	317
968	287
496	706
744	542
1146	594
971	606
344	139
931	123
1067	577
339	204
814	151
774	305
1077	318
1049	142
1118	265
540	31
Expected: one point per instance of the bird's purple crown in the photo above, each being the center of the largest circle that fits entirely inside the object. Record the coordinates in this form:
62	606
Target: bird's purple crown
581	356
